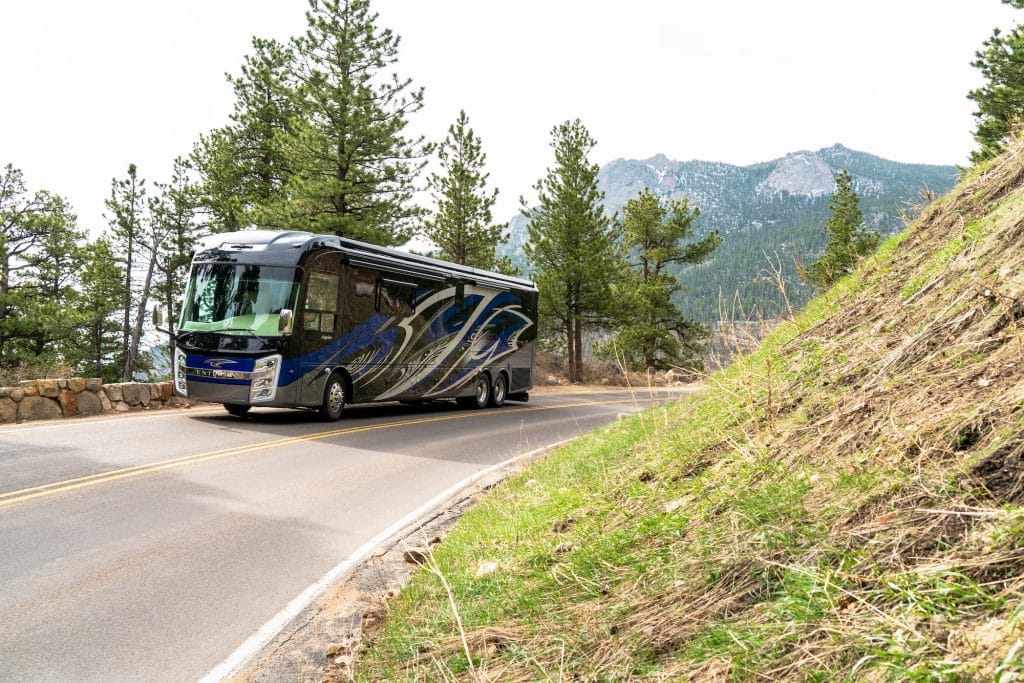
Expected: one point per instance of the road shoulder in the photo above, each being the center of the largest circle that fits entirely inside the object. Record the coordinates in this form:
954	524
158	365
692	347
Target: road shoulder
322	641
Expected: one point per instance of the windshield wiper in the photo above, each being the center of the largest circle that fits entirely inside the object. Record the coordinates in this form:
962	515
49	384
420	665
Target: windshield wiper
251	331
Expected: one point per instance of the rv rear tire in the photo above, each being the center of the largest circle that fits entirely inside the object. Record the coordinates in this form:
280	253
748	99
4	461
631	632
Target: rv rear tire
499	391
481	394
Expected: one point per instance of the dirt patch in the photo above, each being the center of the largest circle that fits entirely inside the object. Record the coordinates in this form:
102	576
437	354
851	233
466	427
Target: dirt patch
1003	471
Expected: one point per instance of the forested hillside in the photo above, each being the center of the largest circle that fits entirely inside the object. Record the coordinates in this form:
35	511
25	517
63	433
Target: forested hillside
772	211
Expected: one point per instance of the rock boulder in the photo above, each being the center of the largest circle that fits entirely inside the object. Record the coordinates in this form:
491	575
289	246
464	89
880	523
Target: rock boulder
89	403
68	404
38	408
8	410
135	394
114	392
48	387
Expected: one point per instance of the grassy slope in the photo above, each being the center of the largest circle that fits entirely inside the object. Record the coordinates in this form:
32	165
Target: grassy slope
843	503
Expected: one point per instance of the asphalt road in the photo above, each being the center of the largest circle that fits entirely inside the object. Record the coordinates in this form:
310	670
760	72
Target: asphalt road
149	546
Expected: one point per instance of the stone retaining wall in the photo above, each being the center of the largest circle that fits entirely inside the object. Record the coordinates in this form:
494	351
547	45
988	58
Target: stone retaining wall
44	399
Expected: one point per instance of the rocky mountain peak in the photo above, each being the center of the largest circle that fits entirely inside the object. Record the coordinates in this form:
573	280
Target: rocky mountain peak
660	162
800	173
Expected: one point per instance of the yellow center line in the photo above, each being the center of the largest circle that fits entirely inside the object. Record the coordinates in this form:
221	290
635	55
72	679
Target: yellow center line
42	490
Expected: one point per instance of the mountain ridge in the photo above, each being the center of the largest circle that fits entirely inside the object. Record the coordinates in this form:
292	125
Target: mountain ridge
768	210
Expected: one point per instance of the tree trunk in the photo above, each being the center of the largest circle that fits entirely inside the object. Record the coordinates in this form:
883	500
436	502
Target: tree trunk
169	279
569	338
140	316
578	346
98	344
5	287
128	368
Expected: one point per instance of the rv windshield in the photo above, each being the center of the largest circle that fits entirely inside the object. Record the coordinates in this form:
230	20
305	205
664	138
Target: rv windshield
237	299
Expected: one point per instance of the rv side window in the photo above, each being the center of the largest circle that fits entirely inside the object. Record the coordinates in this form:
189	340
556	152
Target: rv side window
321	303
394	298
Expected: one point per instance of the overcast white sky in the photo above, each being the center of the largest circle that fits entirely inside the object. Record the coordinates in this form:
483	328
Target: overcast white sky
89	87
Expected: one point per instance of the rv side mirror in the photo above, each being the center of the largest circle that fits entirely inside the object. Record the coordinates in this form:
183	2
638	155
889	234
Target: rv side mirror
284	322
159	315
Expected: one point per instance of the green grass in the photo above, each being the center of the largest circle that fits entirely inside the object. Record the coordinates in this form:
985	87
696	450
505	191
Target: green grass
626	537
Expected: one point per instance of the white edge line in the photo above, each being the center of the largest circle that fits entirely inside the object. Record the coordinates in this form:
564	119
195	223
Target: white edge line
268	631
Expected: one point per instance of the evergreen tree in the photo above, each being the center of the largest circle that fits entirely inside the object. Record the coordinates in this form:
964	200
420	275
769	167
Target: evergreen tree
102	284
126	204
53	300
461	223
30	223
137	240
651	331
848	240
173	211
352	165
571	243
1000	100
242	165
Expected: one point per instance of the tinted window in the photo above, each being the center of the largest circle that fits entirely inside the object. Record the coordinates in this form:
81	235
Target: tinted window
394	298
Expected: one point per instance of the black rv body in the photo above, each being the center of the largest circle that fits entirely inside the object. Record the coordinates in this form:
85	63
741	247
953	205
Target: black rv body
292	319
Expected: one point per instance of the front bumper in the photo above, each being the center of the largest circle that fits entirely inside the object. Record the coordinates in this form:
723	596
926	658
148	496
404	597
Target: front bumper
217	392
239	381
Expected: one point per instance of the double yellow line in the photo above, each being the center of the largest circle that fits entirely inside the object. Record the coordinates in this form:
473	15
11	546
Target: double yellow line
43	490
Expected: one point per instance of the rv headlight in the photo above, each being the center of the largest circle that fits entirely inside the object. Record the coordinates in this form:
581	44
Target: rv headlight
180	383
264	379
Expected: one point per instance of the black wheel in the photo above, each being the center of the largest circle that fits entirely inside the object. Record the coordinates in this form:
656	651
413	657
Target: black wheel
481	394
334	399
499	391
236	410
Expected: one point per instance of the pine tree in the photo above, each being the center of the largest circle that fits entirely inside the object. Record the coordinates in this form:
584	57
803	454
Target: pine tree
137	240
27	221
243	165
571	243
53	299
651	331
126	204
848	239
1000	100
461	223
101	288
173	213
353	167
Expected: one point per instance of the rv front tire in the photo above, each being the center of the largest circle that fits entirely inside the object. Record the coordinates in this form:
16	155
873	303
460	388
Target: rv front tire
334	399
236	410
